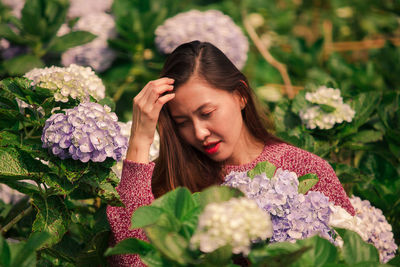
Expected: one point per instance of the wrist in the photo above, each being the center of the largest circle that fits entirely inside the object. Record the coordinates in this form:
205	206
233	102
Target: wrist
138	152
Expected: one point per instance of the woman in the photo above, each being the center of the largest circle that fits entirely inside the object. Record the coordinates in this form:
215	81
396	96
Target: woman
208	127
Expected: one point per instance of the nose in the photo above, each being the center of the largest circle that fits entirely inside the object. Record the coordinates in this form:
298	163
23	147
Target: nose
201	130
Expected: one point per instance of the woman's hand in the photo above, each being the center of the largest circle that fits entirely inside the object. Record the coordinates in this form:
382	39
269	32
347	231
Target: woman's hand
146	110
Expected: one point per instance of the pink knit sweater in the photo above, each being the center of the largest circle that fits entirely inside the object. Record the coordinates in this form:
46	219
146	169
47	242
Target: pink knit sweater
135	189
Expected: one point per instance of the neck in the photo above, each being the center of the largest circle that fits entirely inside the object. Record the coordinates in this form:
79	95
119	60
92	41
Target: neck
246	150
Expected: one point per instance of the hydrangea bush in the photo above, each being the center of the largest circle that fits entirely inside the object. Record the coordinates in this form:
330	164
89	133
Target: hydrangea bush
208	26
87	132
95	54
73	81
326	109
294	216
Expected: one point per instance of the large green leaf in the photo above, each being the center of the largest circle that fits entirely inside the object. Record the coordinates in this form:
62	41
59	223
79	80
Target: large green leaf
355	250
179	202
321	252
35	241
145	215
17	164
170	244
69	40
277	254
5	254
21	64
52	217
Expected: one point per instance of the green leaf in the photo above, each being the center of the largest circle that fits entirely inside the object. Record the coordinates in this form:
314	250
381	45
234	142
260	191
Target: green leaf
130	246
217	194
262	167
145	215
109	102
170	244
322	252
9	118
178	202
300	102
93	254
220	257
5	256
35	241
367	136
327	108
306	182
52	217
355	250
69	40
9	139
20	65
277	254
7	33
17	164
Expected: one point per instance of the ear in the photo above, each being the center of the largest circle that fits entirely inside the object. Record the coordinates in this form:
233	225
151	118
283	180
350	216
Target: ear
240	98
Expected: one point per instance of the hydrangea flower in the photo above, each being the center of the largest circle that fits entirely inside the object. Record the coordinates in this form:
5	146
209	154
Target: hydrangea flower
74	81
209	26
15	5
126	132
294	216
236	222
87	132
9	51
9	195
96	53
327	109
80	8
374	228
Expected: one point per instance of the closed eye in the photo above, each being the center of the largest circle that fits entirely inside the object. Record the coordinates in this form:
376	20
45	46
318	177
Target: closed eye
206	114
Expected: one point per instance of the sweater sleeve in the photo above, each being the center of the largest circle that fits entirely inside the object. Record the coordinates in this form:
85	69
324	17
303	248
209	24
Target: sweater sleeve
135	191
303	162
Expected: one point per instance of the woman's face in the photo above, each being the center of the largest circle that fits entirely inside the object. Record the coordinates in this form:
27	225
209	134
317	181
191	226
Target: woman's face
208	118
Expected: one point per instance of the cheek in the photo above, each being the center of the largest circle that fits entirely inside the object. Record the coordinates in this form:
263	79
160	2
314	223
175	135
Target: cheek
186	133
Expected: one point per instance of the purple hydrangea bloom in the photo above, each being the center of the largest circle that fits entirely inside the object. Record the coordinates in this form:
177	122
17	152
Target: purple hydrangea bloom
294	216
374	228
209	26
87	132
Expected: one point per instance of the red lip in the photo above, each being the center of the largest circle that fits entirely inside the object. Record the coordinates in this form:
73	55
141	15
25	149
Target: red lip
212	148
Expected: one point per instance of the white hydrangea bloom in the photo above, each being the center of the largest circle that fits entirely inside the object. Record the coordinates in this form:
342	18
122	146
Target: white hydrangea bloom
75	81
126	132
315	116
236	222
80	8
96	53
209	26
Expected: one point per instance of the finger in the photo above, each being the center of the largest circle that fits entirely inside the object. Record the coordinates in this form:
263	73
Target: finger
157	92
164	80
162	100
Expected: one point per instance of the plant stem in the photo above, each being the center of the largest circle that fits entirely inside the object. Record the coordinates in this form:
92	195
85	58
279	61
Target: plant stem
15	220
268	57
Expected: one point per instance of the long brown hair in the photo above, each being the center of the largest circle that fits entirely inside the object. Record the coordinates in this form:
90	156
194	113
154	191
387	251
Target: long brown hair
180	164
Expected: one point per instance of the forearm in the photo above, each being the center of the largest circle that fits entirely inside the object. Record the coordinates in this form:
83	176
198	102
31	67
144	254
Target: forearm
135	191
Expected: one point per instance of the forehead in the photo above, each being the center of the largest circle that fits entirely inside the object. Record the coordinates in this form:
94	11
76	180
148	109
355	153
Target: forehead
195	93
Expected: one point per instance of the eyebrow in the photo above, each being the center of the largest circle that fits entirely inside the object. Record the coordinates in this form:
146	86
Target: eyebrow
197	110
